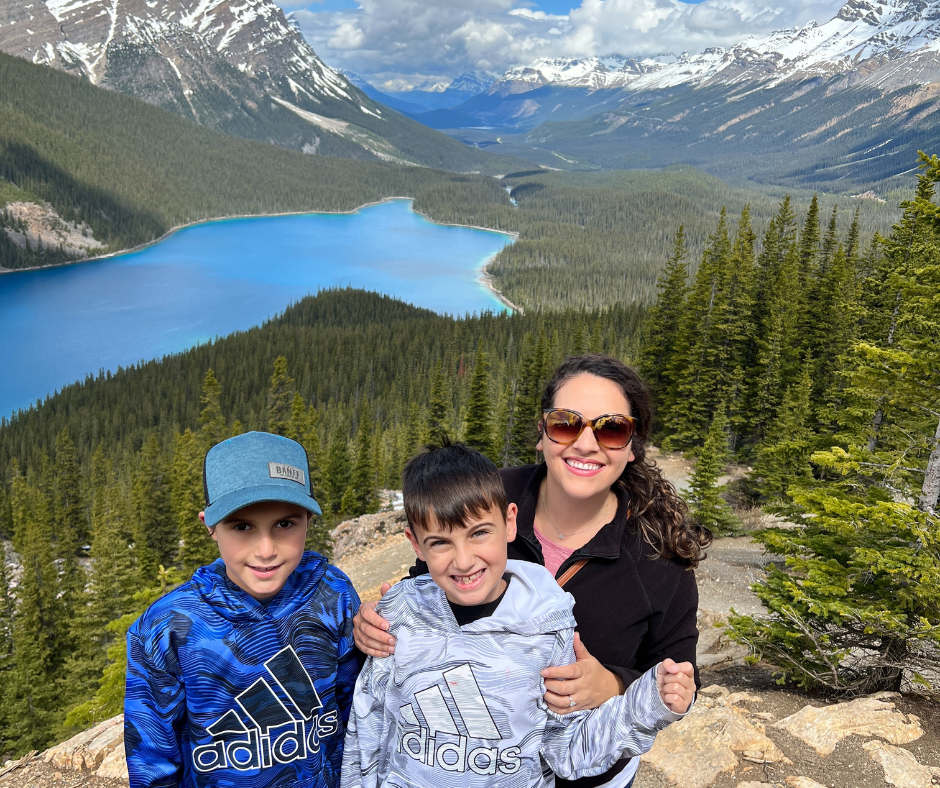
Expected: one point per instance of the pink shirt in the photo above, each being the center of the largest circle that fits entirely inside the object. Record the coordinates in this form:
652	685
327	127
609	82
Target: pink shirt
554	554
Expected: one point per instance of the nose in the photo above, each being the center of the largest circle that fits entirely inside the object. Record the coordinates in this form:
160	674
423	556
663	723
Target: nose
586	442
463	558
265	547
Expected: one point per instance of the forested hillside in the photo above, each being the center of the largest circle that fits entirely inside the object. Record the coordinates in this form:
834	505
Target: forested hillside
110	469
129	172
816	361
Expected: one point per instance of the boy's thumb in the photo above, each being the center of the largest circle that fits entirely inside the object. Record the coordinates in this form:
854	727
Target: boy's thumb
384	589
665	665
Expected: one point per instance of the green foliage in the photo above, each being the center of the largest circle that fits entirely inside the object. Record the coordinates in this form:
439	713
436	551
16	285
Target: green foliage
705	502
857	608
478	422
280	398
108	700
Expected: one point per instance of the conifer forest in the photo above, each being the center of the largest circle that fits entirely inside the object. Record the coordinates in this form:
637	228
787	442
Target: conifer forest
797	336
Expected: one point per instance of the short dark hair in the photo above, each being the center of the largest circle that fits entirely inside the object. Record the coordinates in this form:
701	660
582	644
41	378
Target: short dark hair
451	483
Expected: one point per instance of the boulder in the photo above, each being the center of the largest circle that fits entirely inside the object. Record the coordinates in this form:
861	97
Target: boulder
823	728
714	646
696	750
88	750
354	536
900	766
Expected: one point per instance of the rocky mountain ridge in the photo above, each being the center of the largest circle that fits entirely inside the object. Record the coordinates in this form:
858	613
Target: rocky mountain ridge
242	68
889	43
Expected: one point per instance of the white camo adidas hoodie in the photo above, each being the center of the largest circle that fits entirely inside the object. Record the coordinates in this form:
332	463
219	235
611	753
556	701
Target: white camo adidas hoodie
462	707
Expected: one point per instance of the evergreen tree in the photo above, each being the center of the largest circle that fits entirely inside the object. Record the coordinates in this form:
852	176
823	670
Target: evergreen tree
335	474
439	406
663	321
365	495
478	426
211	420
280	397
705	502
188	499
856	609
783	456
153	524
71	525
30	701
526	405
114	578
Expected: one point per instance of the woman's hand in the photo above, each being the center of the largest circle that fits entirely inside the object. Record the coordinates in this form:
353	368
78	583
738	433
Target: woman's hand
586	682
370	630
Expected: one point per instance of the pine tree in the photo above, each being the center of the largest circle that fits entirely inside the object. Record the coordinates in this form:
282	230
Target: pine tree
478	426
188	499
783	456
663	321
30	701
365	496
114	578
856	609
154	526
335	474
211	420
439	406
705	502
280	396
526	405
71	525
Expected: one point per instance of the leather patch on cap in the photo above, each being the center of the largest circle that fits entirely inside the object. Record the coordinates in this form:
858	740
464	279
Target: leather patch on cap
277	470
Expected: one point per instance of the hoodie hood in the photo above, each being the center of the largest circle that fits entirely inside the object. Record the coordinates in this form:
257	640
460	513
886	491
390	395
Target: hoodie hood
534	604
235	604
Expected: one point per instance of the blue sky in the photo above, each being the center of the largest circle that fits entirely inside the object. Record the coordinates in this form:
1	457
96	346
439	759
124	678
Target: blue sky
398	44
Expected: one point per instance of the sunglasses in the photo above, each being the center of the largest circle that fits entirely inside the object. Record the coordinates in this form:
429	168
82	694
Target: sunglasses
611	431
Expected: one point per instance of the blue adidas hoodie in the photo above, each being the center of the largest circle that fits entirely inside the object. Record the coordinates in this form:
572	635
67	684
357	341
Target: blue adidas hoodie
224	690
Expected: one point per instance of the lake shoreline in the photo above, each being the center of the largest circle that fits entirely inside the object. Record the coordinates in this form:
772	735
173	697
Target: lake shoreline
486	279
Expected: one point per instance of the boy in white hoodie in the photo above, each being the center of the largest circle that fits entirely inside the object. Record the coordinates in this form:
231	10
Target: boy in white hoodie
460	701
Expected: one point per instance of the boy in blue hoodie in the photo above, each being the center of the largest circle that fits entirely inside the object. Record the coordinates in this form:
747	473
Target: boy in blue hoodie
244	675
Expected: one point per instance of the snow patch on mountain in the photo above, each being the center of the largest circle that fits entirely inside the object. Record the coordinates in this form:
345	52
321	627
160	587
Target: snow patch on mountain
887	31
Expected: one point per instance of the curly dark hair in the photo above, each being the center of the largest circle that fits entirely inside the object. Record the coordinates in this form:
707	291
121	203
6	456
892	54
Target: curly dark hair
656	508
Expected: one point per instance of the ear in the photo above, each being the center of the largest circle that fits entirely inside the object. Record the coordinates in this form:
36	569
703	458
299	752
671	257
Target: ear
511	511
414	543
538	446
630	455
202	518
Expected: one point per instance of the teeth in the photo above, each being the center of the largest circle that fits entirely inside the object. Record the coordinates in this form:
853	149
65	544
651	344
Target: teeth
468	579
584	466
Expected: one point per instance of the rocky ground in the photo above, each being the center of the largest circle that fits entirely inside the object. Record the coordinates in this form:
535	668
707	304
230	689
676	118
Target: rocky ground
744	732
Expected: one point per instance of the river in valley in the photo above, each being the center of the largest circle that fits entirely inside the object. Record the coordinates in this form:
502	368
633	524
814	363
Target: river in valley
59	325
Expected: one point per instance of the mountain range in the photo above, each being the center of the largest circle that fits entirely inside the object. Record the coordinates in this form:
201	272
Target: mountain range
244	69
842	105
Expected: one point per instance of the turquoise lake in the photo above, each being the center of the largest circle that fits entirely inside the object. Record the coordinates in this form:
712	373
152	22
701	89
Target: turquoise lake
61	324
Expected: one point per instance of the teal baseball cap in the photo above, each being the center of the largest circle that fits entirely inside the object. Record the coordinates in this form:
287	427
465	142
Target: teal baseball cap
255	467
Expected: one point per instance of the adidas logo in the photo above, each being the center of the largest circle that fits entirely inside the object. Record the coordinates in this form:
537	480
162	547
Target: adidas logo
438	727
277	732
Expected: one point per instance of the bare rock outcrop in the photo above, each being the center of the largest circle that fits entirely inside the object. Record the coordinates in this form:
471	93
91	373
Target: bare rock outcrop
696	750
99	750
900	766
823	728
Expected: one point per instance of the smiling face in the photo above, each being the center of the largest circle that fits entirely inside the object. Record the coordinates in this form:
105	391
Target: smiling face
467	563
583	470
261	545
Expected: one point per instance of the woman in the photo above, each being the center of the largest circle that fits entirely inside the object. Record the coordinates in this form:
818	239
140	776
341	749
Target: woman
597	504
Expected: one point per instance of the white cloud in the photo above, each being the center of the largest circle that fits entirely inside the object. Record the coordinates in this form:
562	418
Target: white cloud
417	41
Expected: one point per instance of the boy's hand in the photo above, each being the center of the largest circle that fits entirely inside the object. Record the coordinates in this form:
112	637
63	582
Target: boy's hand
370	630
676	683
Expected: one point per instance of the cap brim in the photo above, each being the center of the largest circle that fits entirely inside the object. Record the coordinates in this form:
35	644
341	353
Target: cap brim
246	496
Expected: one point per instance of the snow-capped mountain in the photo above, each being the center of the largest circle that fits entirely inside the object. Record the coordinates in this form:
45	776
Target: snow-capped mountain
890	43
243	68
175	41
